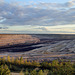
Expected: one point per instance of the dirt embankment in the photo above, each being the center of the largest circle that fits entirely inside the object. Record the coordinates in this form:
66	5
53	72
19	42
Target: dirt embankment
13	39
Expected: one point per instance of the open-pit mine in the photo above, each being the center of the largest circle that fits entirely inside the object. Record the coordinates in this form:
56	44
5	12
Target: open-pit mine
39	47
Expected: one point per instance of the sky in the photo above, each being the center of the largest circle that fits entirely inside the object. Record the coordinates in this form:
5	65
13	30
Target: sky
37	16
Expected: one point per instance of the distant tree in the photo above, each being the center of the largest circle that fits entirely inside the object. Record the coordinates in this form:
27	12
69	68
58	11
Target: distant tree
50	73
25	61
29	63
17	61
12	60
45	65
3	60
0	59
40	72
26	72
55	63
8	59
35	64
45	72
66	69
33	72
61	64
21	60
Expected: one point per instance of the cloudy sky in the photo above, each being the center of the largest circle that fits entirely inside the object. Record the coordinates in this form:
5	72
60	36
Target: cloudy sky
37	16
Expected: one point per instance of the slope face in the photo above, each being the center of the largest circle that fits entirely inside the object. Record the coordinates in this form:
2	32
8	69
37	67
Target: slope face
7	40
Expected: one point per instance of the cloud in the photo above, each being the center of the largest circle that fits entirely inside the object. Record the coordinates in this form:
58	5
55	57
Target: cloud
1	0
3	27
41	29
57	5
42	14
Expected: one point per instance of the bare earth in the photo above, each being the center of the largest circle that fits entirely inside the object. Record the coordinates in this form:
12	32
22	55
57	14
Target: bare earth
15	74
43	48
6	40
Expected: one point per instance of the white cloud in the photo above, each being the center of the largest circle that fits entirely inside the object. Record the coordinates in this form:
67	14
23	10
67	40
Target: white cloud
41	14
57	5
15	14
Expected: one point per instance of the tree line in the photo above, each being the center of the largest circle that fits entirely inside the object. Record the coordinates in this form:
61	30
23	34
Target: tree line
25	67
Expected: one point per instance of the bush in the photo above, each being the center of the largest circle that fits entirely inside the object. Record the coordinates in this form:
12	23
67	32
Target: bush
4	70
